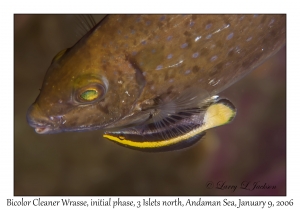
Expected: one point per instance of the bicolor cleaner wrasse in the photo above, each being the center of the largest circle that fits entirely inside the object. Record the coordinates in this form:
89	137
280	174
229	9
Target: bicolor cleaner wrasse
150	81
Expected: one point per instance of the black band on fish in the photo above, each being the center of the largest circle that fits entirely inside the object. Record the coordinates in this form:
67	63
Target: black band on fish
178	134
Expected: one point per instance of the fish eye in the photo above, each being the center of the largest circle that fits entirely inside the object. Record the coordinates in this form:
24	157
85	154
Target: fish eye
90	93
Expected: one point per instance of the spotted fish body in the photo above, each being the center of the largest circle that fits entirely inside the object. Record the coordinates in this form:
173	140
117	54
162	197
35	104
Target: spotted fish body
118	72
211	51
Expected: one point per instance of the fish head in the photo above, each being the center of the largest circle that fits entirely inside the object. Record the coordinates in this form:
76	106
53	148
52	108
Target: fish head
83	90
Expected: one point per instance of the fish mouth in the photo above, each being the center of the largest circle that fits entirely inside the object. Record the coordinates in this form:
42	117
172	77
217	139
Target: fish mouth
42	129
44	124
38	121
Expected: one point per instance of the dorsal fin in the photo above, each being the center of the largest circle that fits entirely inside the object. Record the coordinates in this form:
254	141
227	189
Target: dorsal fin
85	23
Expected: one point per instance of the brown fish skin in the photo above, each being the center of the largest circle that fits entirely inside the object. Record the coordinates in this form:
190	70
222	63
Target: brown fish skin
137	58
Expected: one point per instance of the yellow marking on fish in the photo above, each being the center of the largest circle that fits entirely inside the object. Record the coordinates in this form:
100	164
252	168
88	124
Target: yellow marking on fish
59	55
216	115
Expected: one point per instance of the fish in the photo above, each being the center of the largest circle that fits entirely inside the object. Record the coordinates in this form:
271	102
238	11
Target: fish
175	131
130	73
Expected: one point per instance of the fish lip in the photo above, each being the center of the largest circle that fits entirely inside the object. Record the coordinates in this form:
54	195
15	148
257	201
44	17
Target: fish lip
42	128
50	129
39	122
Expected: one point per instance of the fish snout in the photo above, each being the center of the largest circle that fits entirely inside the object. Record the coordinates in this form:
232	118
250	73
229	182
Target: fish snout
38	120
